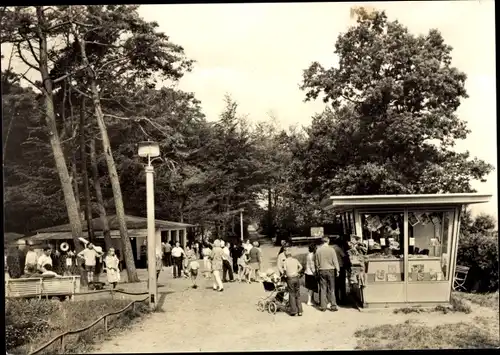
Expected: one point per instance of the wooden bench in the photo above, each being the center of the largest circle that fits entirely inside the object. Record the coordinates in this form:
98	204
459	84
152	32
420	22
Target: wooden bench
43	287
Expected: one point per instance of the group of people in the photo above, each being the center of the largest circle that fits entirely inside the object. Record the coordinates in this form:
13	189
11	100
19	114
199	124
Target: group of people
325	273
221	261
53	263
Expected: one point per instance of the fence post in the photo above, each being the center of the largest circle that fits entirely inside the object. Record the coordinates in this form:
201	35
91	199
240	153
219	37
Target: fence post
106	323
63	345
133	306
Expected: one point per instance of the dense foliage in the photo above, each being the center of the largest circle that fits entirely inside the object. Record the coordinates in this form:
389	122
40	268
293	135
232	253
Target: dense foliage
478	249
389	128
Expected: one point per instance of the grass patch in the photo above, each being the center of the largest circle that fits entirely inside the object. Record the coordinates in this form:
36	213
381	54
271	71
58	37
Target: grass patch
456	305
31	323
489	300
414	336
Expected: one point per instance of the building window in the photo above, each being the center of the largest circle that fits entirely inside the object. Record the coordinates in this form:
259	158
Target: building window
429	245
383	235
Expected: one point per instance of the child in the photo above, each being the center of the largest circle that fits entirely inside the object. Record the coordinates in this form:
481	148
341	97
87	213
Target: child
192	266
243	268
292	269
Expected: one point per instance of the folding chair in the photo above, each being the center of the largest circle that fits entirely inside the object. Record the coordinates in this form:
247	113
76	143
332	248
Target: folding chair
461	273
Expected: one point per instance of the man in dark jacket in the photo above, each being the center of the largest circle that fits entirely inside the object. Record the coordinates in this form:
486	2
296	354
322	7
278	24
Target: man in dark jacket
340	279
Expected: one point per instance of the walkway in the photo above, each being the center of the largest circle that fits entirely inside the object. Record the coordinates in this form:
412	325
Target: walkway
204	320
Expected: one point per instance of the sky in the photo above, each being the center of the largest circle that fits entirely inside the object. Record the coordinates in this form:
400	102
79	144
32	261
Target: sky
257	53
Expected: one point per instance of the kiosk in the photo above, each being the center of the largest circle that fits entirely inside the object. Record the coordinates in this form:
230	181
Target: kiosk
412	244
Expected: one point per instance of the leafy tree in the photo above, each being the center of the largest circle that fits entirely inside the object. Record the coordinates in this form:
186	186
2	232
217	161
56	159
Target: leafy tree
393	122
32	31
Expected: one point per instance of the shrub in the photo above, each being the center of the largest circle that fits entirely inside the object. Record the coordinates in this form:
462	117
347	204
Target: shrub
30	323
26	320
480	253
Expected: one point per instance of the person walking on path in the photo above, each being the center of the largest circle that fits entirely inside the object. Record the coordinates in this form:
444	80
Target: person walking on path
206	260
177	254
311	280
327	264
292	269
340	280
167	254
216	257
226	263
112	267
254	256
235	253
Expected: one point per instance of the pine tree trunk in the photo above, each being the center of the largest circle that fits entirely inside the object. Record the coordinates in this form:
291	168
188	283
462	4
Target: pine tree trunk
85	175
55	142
270	222
76	189
98	194
113	174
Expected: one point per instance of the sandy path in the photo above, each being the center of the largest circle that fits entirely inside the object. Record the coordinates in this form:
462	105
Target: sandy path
204	320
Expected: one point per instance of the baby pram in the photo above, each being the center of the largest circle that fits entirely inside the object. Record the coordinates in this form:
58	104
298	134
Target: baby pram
278	298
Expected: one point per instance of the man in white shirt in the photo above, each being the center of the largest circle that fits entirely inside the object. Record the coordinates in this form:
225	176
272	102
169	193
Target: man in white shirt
177	255
90	255
226	264
44	259
31	261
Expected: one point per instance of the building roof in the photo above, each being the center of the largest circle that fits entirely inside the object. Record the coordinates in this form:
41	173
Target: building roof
9	237
350	202
133	222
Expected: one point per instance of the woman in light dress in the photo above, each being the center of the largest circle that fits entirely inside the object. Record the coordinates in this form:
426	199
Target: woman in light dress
112	267
216	258
206	260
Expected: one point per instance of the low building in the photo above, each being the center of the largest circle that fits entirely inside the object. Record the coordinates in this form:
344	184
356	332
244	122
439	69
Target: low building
137	230
412	243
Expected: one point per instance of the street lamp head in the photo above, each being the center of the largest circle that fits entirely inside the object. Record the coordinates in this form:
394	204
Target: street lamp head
149	149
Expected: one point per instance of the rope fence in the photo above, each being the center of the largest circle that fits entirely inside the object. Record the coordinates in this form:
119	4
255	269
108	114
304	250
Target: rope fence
62	337
112	292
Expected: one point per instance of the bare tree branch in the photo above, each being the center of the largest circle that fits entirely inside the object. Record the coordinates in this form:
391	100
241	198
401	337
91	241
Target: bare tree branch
69	74
19	53
32	50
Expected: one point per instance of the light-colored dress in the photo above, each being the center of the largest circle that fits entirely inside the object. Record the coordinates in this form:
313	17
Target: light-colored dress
112	271
216	258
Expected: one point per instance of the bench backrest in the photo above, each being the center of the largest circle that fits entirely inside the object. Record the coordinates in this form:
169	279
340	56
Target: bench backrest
66	285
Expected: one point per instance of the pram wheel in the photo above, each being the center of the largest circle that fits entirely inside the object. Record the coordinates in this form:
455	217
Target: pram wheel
272	307
261	306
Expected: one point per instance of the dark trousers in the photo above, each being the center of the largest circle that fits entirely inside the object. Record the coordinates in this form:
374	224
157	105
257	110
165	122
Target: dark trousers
226	267
235	265
177	266
168	259
293	284
327	288
340	290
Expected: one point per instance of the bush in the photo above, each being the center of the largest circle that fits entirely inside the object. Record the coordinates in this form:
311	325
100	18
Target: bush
26	319
30	323
480	253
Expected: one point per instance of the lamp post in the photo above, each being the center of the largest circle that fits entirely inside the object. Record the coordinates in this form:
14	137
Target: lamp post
150	150
241	224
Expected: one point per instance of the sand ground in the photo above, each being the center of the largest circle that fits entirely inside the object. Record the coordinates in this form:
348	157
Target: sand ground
204	320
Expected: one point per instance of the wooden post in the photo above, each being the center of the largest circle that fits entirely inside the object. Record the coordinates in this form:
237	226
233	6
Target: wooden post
63	345
184	239
169	235
105	324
